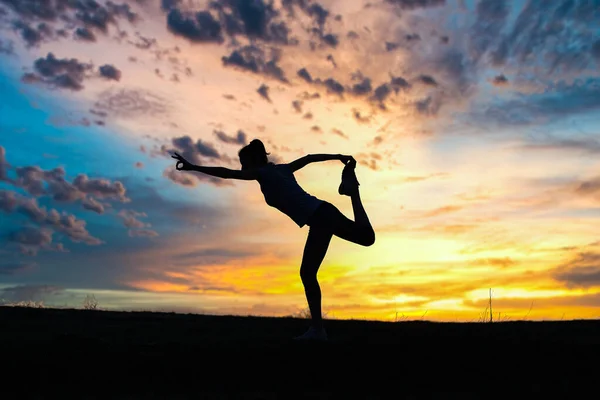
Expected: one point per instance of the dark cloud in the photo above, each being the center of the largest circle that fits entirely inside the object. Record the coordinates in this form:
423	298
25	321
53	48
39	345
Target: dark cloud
391	46
559	33
427	80
398	83
6	47
589	187
143	42
363	87
110	72
319	16
580	145
85	34
38	182
500	80
304	74
142	233
382	92
414	4
491	17
168	5
47	221
263	91
334	86
33	36
4	166
561	101
596	50
429	105
93	194
582	271
136	227
254	19
254	59
193	179
361	119
131	103
330	39
339	133
29	292
192	151
88	17
197	27
31	239
13	268
297	105
59	73
240	139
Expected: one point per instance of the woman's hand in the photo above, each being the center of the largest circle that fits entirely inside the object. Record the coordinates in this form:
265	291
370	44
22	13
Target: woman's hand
346	159
185	164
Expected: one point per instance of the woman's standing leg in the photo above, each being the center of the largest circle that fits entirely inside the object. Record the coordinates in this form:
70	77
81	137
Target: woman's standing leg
315	249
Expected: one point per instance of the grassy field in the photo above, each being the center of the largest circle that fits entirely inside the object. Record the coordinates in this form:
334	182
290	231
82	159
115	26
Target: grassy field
56	353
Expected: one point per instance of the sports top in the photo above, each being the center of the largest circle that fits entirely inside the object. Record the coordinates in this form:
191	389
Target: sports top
282	191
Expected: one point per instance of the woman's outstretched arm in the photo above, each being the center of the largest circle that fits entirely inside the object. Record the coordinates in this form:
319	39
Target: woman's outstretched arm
311	158
219	172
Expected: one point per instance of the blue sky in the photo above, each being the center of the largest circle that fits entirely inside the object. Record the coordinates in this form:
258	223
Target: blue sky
475	125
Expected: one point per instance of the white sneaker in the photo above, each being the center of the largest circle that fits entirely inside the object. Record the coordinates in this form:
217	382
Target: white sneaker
313	334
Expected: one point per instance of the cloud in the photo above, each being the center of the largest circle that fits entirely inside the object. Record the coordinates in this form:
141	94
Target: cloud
4	166
29	292
263	91
6	47
131	103
52	183
58	73
559	101
31	239
33	36
86	18
110	72
38	182
580	145
254	59
414	4
136	227
240	139
194	152
13	268
589	187
558	33
67	224
85	34
582	271
196	27
596	50
500	80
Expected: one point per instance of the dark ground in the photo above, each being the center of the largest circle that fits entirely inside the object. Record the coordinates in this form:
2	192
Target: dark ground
51	353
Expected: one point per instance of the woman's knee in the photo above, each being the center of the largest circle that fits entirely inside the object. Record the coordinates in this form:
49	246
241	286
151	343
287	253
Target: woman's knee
307	275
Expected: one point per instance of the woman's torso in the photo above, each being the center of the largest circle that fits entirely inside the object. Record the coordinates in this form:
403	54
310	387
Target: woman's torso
281	191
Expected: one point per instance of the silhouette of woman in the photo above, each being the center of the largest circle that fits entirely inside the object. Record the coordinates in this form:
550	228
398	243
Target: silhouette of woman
282	191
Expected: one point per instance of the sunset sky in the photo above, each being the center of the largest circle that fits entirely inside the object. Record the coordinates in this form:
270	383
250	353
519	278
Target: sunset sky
476	125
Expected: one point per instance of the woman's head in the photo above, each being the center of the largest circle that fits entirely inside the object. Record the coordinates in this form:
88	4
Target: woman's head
253	155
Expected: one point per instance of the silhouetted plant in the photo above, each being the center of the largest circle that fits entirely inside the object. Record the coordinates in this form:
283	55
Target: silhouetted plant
305	314
90	302
25	303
